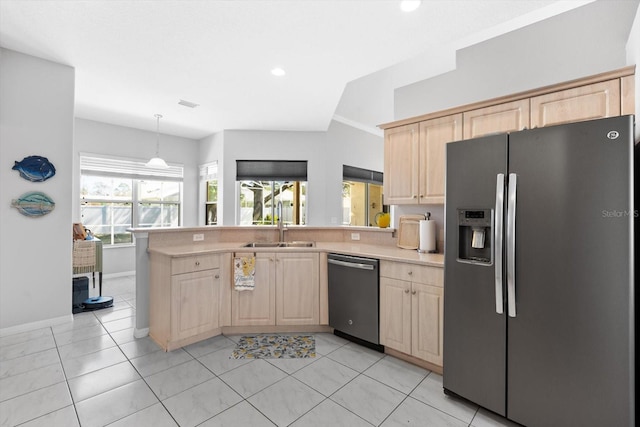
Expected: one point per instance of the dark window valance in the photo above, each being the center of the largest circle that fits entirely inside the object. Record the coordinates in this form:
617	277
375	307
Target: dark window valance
271	170
352	173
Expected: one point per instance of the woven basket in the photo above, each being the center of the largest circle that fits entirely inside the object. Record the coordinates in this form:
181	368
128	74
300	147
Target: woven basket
84	256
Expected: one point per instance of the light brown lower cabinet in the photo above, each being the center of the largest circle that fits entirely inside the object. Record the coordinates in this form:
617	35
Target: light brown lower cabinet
184	297
298	289
411	310
256	307
197	308
287	291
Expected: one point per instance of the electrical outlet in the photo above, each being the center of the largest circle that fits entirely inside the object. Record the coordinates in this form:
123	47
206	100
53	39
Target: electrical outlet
355	236
198	237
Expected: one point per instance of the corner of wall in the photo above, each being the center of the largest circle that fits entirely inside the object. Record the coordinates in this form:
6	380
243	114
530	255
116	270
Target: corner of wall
37	105
633	58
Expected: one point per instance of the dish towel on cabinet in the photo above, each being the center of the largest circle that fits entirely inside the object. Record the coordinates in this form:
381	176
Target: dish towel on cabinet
244	270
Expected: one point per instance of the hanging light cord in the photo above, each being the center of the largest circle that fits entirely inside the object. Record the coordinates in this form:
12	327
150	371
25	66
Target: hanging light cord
158	117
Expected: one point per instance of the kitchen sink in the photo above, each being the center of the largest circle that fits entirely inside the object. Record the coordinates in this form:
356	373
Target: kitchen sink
298	244
261	245
279	245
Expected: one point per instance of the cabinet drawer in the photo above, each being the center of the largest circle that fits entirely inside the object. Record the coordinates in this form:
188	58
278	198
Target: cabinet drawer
412	272
194	263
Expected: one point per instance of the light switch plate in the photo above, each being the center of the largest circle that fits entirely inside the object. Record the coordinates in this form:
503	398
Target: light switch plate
355	236
198	237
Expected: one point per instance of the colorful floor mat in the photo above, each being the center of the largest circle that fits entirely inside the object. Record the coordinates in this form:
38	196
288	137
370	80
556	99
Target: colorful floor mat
275	347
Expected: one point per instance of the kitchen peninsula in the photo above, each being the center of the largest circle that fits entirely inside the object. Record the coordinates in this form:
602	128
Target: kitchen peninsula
202	258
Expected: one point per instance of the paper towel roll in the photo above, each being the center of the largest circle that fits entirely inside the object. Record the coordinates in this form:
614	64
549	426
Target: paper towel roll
427	235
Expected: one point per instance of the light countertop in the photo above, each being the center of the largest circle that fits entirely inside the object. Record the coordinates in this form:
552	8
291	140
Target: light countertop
383	252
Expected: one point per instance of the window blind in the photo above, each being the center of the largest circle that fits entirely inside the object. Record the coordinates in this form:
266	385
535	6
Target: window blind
209	171
352	173
271	170
118	167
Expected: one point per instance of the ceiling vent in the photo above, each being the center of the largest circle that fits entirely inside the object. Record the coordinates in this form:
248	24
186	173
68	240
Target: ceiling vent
188	104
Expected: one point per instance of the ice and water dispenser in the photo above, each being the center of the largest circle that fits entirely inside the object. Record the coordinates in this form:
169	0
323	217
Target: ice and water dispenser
475	236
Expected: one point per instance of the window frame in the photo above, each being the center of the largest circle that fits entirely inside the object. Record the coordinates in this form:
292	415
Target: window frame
106	167
272	172
367	177
299	211
210	172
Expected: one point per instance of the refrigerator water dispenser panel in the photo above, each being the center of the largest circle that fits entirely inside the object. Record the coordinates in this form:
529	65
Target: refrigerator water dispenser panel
474	236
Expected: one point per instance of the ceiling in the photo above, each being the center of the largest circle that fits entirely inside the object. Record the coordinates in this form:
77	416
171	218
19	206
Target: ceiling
134	59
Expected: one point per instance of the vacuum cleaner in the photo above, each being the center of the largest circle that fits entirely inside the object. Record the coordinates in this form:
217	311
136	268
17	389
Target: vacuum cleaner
97	303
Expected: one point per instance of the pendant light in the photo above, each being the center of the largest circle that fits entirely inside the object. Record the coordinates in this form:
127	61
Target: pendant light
157	162
409	5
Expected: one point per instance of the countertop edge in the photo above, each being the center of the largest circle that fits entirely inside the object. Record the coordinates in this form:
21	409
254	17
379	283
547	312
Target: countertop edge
388	253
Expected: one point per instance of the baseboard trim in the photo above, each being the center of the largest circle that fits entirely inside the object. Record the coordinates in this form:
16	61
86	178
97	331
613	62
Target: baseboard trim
26	327
236	330
121	274
412	359
140	333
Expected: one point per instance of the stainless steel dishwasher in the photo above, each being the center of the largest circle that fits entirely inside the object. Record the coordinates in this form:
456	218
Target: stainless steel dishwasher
354	298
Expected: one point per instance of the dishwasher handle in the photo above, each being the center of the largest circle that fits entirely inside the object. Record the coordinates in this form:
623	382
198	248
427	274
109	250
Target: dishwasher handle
352	264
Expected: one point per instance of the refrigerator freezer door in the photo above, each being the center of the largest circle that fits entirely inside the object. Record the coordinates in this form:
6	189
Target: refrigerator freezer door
571	347
498	233
511	244
474	334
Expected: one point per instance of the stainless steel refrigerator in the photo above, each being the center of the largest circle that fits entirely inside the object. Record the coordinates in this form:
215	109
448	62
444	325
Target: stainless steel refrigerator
539	274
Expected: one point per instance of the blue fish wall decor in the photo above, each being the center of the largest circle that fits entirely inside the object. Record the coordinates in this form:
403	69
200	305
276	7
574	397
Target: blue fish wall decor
35	168
33	204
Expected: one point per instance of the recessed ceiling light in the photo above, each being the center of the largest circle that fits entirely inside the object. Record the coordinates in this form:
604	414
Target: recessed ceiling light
409	5
278	72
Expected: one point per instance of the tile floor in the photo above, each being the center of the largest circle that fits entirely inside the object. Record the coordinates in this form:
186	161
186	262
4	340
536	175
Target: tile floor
92	372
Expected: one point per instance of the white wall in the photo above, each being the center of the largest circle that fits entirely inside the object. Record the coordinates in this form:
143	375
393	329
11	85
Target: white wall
346	145
102	138
325	152
274	145
36	118
633	58
211	149
581	42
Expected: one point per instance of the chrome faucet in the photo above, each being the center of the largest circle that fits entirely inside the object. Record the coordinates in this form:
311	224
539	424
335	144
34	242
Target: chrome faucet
281	229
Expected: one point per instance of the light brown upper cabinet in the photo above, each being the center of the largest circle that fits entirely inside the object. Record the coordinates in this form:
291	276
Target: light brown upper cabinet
434	136
594	101
414	151
627	89
401	163
507	117
414	160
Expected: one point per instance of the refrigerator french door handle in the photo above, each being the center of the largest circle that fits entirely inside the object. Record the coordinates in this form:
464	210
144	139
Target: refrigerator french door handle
511	245
498	236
